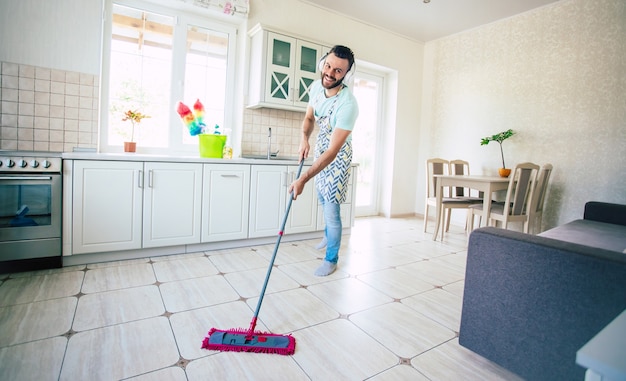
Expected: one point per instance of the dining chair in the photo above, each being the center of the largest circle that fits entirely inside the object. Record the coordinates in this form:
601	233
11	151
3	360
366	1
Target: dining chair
436	166
517	204
460	167
539	198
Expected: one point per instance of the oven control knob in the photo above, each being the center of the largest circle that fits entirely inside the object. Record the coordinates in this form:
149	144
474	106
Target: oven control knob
46	164
10	163
34	164
22	163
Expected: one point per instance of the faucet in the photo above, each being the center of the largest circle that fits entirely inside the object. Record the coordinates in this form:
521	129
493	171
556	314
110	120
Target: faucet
270	154
269	143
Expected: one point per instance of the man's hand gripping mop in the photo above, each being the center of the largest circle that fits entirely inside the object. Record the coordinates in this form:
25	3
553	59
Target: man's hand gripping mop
242	340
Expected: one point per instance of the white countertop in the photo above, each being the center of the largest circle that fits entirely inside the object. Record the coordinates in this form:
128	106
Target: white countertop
178	159
123	156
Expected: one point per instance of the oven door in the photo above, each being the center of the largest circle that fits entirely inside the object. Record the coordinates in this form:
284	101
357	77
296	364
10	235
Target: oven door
30	207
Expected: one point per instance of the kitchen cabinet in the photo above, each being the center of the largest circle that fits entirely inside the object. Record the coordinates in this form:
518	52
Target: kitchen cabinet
303	215
269	198
172	204
107	206
120	205
226	198
268	189
282	70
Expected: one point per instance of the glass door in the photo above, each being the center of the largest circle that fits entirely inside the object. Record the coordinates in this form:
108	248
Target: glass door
368	90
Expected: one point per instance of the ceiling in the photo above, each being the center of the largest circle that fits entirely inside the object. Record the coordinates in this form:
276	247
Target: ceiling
423	22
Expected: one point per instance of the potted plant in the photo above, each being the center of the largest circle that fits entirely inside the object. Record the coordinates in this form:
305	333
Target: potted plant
134	117
500	137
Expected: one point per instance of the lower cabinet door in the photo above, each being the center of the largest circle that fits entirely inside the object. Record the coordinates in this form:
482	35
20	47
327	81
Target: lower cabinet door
172	204
303	214
107	204
225	202
268	188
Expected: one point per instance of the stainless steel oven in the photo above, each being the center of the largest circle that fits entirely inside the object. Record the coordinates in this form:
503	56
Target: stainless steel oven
30	210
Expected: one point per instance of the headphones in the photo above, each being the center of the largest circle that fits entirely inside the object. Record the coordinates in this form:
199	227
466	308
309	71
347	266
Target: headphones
342	52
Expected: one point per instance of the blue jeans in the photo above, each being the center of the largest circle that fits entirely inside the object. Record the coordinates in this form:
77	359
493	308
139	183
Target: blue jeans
332	230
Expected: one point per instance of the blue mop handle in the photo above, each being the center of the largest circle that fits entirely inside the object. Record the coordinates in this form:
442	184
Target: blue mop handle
269	269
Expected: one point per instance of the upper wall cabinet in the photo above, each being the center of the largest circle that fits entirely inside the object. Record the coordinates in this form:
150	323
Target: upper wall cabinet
282	70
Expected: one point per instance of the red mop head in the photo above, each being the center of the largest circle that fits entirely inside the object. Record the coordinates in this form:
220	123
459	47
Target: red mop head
241	340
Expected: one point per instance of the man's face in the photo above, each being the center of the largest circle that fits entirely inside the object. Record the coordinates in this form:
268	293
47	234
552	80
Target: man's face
334	70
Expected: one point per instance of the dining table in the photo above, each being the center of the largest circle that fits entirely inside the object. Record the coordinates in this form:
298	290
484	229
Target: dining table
485	184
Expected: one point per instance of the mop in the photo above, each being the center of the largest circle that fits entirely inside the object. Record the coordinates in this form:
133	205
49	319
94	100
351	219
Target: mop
242	340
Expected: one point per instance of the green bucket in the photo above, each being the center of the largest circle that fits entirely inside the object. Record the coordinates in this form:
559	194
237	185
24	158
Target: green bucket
211	146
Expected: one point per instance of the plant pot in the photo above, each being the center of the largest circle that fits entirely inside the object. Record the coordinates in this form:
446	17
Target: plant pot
504	172
130	146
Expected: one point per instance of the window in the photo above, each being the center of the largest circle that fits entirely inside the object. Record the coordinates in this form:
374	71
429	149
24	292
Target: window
154	57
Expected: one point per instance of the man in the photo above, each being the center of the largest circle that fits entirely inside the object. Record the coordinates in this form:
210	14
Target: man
334	108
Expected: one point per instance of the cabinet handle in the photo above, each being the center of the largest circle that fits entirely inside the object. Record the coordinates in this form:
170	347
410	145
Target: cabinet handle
235	176
150	178
140	179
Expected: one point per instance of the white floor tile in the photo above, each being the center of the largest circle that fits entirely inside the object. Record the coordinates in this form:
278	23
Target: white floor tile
117	277
348	296
438	305
120	351
291	310
394	283
451	361
248	284
40	287
402	330
228	261
188	294
433	271
35	321
174	373
37	360
120	306
338	350
183	268
400	373
245	366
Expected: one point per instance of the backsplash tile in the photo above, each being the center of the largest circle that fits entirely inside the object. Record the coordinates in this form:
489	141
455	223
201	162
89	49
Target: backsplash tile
45	109
286	131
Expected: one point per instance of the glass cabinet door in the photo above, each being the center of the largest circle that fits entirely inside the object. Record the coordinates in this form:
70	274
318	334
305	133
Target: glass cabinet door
292	67
281	67
307	71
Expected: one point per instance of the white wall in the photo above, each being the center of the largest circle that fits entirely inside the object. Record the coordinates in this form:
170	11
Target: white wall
59	34
555	75
369	44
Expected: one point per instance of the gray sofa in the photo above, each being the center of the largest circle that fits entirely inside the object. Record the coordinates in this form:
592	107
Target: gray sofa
531	302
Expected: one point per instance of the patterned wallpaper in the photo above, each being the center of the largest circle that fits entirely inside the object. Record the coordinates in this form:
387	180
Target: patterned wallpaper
557	76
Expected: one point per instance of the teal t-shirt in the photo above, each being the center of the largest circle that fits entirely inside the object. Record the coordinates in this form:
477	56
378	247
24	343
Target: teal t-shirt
346	108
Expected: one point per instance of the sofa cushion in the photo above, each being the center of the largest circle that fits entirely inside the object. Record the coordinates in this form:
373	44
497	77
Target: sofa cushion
591	233
530	302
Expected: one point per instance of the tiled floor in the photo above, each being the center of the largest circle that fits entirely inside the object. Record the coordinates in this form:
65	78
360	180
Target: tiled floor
390	312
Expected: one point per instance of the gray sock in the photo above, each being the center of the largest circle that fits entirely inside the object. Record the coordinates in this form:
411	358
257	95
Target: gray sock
326	268
321	244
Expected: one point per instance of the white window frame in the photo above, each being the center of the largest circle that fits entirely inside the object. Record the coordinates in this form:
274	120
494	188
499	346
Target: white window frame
182	18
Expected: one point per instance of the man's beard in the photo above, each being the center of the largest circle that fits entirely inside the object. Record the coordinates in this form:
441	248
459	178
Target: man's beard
333	85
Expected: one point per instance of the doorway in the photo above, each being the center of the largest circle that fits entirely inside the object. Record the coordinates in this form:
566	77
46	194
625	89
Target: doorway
368	90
